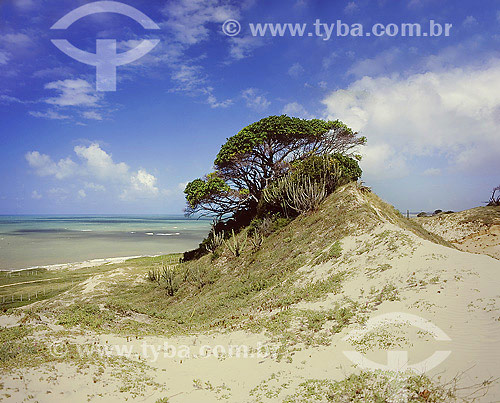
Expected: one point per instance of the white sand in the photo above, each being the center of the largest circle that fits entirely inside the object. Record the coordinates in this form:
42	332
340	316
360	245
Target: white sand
458	292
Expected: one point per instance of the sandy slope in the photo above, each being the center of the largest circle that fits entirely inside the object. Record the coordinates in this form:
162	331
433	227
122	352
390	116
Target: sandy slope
476	230
388	270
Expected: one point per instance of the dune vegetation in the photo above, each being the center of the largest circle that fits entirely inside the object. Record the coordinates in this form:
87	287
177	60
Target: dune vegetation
302	263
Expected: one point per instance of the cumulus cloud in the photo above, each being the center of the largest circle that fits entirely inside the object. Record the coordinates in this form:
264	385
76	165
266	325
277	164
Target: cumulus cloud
25	4
470	21
43	165
75	92
242	47
295	70
451	114
142	185
100	164
16	40
188	20
94	186
4	58
35	195
92	115
93	167
296	110
255	99
351	8
378	65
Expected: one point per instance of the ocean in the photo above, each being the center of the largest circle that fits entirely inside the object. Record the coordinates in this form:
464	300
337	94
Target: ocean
30	241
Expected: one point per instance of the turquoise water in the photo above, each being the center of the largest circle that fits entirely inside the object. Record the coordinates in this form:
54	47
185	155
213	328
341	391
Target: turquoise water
28	241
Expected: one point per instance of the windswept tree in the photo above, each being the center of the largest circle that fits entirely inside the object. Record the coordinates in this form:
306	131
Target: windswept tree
495	197
260	153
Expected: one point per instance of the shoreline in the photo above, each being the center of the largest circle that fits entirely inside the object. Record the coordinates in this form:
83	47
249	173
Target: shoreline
82	264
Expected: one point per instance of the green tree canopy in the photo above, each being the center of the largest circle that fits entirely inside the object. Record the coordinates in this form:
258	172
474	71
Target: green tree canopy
261	152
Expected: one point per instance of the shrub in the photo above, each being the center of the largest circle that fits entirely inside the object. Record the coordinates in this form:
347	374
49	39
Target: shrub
235	245
168	274
154	275
308	183
495	198
296	195
214	241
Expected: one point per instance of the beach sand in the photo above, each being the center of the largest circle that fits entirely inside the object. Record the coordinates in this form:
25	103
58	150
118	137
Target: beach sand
391	272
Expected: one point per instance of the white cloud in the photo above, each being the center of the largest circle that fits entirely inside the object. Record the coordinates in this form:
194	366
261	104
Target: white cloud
43	165
25	4
94	186
100	164
92	115
188	20
17	40
50	114
35	195
255	99
377	65
452	114
213	101
76	92
498	15
351	8
95	165
242	47
142	185
295	70
7	99
4	58
329	60
295	109
469	22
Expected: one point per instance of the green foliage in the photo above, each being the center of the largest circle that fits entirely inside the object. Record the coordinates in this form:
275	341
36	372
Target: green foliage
260	153
334	252
295	195
235	245
214	241
14	342
154	275
85	315
168	275
202	190
350	170
284	129
309	182
376	387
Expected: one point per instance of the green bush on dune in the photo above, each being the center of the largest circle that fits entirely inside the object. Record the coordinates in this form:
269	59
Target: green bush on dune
278	167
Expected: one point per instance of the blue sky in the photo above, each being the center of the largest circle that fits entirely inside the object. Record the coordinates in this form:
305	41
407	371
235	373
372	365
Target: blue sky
429	106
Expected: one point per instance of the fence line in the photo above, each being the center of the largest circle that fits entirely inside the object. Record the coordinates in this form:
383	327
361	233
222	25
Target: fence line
18	297
30	282
29	296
